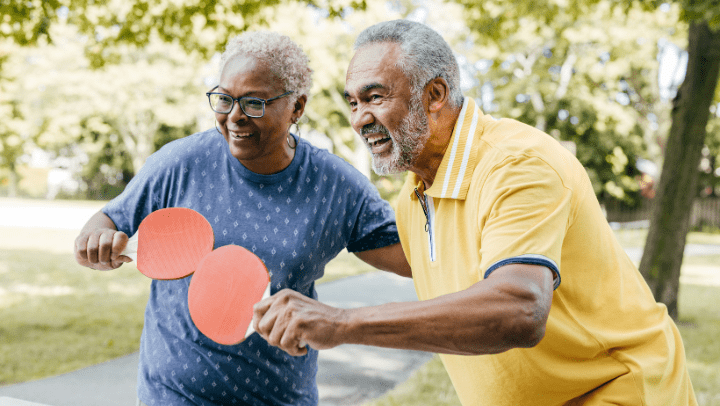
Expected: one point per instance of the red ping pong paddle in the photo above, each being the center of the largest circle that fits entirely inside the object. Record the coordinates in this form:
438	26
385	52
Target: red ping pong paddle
225	287
170	243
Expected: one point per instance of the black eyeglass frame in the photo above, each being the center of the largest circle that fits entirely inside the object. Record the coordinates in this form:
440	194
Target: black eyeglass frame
263	101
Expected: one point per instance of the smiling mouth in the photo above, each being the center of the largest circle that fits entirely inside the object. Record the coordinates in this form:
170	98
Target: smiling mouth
238	135
377	139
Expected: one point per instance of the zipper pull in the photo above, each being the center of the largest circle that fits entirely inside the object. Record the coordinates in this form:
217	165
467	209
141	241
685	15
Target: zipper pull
423	204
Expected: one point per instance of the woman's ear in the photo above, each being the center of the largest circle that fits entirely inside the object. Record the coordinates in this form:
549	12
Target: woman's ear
299	107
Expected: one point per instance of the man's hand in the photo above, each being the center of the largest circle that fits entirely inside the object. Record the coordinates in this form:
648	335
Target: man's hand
99	245
288	320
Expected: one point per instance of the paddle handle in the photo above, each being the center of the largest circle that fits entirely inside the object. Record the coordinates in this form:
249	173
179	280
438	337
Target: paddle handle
250	328
131	248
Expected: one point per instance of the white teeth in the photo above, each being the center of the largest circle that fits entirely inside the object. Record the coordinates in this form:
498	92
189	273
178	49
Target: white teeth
373	140
240	135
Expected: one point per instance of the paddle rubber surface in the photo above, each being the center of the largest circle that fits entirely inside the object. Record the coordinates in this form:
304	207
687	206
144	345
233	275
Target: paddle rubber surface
170	243
225	287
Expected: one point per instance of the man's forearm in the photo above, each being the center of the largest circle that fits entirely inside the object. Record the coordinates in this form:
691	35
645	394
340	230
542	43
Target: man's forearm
489	317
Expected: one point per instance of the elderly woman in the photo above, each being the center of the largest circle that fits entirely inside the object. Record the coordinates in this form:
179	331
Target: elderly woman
260	187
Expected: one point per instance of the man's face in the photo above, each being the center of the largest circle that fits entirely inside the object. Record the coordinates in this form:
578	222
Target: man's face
384	111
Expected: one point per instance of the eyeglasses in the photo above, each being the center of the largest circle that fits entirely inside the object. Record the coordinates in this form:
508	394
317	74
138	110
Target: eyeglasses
251	106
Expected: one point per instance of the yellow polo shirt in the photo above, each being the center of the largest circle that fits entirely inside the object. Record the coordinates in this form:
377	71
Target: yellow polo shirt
508	193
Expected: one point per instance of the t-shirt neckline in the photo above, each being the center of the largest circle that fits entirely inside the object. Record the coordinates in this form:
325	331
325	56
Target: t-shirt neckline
246	173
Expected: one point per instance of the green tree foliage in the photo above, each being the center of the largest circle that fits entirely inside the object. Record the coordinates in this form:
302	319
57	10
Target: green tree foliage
702	10
26	21
709	177
568	71
559	64
136	91
118	114
690	111
14	129
197	26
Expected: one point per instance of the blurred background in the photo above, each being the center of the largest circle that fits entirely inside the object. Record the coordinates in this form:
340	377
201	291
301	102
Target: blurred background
89	89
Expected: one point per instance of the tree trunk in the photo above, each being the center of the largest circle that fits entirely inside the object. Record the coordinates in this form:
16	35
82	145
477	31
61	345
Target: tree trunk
663	253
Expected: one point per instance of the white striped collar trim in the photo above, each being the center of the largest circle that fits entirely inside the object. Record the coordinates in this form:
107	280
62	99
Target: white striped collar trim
454	166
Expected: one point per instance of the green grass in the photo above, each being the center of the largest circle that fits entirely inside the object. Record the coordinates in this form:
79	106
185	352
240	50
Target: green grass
428	385
699	326
58	316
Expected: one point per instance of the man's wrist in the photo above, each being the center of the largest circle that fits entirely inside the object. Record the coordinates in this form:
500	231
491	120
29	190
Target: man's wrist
348	328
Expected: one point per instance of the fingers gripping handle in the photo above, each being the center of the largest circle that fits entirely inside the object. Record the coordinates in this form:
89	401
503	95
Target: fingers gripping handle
131	248
251	329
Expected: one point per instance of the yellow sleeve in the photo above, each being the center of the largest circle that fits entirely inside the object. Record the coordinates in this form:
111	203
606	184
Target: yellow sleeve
524	210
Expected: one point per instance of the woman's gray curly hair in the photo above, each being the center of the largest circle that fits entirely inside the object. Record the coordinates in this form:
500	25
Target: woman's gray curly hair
284	57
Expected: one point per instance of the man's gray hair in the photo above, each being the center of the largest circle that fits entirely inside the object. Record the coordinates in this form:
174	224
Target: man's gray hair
426	55
284	57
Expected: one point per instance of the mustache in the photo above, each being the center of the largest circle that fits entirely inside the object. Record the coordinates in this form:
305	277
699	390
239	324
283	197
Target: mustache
374	129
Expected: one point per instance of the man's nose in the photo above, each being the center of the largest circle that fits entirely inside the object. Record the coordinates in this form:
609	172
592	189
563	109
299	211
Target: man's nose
360	118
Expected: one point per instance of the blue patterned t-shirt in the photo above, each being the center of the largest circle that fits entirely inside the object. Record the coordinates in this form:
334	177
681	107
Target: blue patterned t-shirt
296	221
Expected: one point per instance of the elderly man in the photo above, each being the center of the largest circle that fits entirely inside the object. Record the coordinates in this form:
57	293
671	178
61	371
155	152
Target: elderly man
524	290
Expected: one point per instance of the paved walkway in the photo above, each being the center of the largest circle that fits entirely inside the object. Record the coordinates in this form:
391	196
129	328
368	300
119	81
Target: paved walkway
63	215
348	375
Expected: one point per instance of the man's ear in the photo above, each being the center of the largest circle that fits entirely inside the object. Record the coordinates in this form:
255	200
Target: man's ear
437	92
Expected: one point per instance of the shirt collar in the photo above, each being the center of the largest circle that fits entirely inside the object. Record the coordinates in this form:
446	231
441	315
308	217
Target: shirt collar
453	176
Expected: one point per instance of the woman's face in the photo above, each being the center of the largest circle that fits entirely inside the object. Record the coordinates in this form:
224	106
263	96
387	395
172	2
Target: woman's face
260	144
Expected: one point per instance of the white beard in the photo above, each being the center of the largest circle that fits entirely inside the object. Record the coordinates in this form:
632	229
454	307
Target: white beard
407	142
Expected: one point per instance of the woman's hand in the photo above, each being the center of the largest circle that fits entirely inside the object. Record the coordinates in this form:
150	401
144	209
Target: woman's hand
99	244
